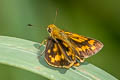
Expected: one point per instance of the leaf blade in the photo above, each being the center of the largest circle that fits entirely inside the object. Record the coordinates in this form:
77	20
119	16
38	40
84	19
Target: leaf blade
24	54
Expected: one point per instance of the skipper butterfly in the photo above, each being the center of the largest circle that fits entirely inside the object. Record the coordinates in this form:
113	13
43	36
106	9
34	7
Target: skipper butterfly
66	49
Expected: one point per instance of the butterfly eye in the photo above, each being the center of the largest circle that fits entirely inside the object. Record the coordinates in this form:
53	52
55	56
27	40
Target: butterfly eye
49	30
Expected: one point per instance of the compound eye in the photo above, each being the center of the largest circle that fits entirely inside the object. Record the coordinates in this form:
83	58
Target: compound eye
49	30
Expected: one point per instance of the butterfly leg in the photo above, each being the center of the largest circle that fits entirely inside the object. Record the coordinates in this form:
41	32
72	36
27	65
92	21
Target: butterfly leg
42	43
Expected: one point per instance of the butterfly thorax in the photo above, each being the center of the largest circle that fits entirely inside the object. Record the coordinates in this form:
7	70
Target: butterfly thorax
57	33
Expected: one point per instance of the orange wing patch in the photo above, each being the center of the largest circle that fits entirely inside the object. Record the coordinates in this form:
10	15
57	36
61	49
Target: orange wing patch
91	42
49	51
55	48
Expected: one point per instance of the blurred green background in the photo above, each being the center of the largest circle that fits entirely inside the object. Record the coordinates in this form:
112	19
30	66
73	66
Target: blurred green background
92	18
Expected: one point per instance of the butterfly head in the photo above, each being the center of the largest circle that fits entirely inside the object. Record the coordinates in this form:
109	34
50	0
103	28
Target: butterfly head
51	28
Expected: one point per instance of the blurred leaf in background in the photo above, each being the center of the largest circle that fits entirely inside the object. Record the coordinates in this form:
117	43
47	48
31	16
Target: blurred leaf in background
96	19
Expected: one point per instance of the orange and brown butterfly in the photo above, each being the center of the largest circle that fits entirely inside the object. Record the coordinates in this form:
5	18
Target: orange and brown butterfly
66	49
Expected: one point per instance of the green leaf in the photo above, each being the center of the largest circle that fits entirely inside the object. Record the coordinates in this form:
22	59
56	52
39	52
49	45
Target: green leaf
24	54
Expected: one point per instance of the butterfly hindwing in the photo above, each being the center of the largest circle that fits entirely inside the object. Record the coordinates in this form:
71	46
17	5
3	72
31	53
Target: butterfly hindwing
55	54
84	46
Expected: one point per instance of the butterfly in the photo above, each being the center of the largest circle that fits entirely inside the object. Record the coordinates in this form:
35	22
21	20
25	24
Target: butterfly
66	49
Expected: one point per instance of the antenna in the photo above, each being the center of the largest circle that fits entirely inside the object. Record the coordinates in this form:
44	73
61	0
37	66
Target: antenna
29	25
35	26
55	15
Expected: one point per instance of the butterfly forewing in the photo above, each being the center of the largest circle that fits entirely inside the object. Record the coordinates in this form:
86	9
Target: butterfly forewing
55	54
